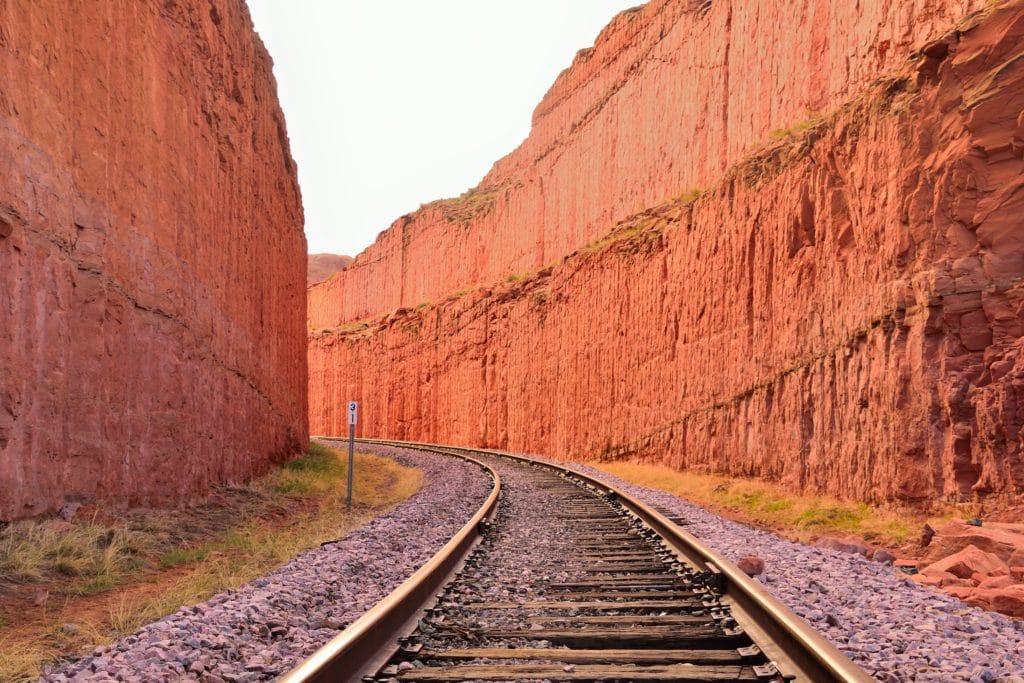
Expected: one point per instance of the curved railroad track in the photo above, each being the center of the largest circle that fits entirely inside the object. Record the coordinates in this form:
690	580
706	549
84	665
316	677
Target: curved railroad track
560	577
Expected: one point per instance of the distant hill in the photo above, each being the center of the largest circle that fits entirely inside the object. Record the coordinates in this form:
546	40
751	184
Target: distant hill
322	266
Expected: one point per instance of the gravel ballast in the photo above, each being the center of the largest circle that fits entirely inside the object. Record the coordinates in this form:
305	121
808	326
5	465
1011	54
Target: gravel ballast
893	628
269	625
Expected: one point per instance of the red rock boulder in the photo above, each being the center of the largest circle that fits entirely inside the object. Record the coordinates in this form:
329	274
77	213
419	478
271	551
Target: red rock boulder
934	579
1008	600
967	563
957	535
959	592
848	545
883	556
751	565
996	582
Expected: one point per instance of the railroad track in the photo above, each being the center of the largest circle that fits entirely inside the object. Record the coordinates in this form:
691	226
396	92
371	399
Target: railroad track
560	577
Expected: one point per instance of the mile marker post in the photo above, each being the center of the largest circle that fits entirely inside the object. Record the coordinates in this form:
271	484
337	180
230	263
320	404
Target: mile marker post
353	414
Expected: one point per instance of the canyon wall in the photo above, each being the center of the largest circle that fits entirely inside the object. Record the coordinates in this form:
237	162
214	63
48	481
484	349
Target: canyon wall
152	255
840	310
671	95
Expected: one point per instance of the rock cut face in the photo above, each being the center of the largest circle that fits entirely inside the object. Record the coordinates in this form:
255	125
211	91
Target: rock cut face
739	239
152	255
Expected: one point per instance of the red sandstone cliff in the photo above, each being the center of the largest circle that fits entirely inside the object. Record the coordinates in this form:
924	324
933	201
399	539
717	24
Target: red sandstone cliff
152	341
842	309
670	96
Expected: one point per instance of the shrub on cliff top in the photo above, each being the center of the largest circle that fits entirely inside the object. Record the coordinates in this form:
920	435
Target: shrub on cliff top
780	134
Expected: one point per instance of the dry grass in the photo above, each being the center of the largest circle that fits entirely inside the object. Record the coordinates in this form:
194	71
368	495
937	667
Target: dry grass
144	574
87	555
691	195
813	121
771	505
458	294
357	326
468	206
625	232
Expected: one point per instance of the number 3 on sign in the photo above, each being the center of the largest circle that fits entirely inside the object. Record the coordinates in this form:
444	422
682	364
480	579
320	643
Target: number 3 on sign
353	412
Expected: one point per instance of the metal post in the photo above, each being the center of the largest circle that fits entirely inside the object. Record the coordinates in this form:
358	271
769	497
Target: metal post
351	463
353	416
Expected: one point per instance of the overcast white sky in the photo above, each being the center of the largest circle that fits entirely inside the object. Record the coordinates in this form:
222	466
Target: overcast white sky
394	104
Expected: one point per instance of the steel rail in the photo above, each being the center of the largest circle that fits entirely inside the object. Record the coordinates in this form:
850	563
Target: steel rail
796	647
368	642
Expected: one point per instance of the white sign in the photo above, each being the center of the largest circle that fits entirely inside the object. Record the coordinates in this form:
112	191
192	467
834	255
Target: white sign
353	412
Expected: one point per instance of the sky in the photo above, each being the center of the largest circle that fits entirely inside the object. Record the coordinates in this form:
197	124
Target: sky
395	104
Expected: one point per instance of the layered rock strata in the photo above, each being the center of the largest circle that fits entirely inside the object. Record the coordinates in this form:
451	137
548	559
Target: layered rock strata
152	257
842	310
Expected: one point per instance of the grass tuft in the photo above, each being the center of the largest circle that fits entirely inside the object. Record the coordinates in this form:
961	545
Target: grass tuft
469	205
780	134
313	473
31	551
67	568
19	665
620	234
691	195
181	556
458	294
100	584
